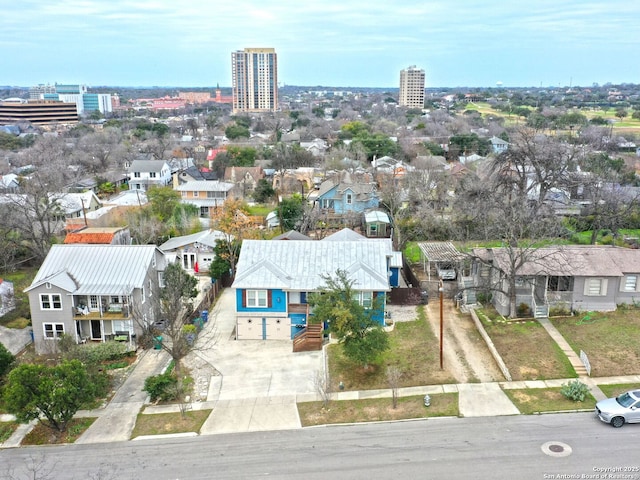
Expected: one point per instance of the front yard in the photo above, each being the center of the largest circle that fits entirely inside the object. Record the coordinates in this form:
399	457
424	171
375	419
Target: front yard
611	340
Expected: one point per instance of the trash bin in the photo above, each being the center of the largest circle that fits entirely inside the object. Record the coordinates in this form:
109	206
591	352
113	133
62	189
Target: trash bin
157	343
31	333
424	296
205	315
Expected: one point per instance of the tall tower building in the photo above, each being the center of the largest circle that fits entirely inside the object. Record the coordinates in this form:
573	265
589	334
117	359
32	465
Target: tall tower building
255	80
411	87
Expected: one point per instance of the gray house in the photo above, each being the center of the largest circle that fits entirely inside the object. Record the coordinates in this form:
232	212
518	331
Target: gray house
571	278
94	293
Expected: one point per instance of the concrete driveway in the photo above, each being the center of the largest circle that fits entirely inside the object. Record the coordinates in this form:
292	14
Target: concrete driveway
259	380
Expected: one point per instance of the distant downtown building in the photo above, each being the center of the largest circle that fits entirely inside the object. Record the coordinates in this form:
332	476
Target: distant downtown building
411	87
255	80
38	112
85	102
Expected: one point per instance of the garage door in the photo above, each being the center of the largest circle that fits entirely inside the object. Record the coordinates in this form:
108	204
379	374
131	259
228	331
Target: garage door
263	328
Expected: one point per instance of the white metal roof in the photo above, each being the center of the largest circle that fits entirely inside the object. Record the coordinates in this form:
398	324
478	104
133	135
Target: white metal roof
299	265
96	269
205	237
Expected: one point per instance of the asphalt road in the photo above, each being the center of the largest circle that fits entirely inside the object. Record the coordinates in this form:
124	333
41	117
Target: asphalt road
574	445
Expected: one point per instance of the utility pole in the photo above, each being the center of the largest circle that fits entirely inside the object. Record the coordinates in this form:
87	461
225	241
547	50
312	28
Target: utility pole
441	290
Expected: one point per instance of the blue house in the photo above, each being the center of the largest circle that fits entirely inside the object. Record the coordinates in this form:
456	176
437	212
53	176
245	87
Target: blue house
498	145
274	278
346	196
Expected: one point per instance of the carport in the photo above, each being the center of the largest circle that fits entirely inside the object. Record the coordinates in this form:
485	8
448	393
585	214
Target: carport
438	253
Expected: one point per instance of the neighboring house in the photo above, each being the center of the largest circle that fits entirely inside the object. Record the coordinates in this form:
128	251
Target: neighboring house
272	220
346	197
76	205
391	166
317	147
100	236
498	145
195	252
274	278
148	173
9	183
205	195
569	278
245	179
193	174
94	293
292	235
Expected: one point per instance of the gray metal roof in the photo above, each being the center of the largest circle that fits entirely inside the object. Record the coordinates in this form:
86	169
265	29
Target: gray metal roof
299	265
147	165
96	269
440	251
205	237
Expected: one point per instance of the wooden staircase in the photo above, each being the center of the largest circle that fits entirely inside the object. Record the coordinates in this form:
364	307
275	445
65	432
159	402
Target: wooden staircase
309	339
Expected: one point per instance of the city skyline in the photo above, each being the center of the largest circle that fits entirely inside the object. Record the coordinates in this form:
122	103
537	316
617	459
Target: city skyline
330	43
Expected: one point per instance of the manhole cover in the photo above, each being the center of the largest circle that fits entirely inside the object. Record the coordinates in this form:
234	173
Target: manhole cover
556	449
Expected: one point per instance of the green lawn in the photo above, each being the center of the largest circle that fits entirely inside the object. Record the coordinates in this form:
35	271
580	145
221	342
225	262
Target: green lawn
414	350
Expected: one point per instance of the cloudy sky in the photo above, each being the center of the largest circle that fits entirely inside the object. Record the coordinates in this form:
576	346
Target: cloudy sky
344	43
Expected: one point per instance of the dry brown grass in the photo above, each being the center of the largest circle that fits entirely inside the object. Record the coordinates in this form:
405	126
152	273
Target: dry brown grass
534	400
43	435
166	423
528	351
377	409
611	340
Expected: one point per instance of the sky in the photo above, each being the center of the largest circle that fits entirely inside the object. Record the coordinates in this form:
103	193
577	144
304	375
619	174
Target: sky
339	43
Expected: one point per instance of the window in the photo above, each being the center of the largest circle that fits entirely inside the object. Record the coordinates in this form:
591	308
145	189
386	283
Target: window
196	194
136	174
150	288
53	330
349	198
367	299
595	287
161	279
152	174
560	284
257	298
142	295
50	301
630	283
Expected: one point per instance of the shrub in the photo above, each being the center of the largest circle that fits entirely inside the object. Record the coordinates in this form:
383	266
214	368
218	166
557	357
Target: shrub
523	310
161	387
6	360
575	390
100	352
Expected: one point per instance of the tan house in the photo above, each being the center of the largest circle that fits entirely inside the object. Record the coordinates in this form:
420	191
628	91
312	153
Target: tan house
205	194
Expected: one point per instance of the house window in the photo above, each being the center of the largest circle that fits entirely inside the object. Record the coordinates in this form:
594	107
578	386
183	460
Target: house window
183	194
595	287
349	198
50	301
150	288
142	295
257	298
161	279
136	174
631	283
53	330
367	299
196	194
93	302
152	174
560	284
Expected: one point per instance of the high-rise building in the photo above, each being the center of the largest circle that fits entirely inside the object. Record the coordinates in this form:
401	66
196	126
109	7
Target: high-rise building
411	87
255	80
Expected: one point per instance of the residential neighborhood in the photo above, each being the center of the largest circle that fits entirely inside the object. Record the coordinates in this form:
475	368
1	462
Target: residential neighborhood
337	248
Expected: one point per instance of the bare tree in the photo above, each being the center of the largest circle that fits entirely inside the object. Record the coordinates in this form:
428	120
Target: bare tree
323	387
393	379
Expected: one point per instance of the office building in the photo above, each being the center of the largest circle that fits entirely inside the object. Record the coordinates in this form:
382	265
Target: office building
411	87
38	112
255	80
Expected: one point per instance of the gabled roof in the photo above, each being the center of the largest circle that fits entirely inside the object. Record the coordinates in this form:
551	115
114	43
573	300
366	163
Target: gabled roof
205	237
299	265
204	186
292	235
344	235
73	202
147	165
96	269
574	260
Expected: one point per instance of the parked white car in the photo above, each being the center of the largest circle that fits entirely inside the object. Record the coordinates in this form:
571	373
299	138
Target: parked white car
624	408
